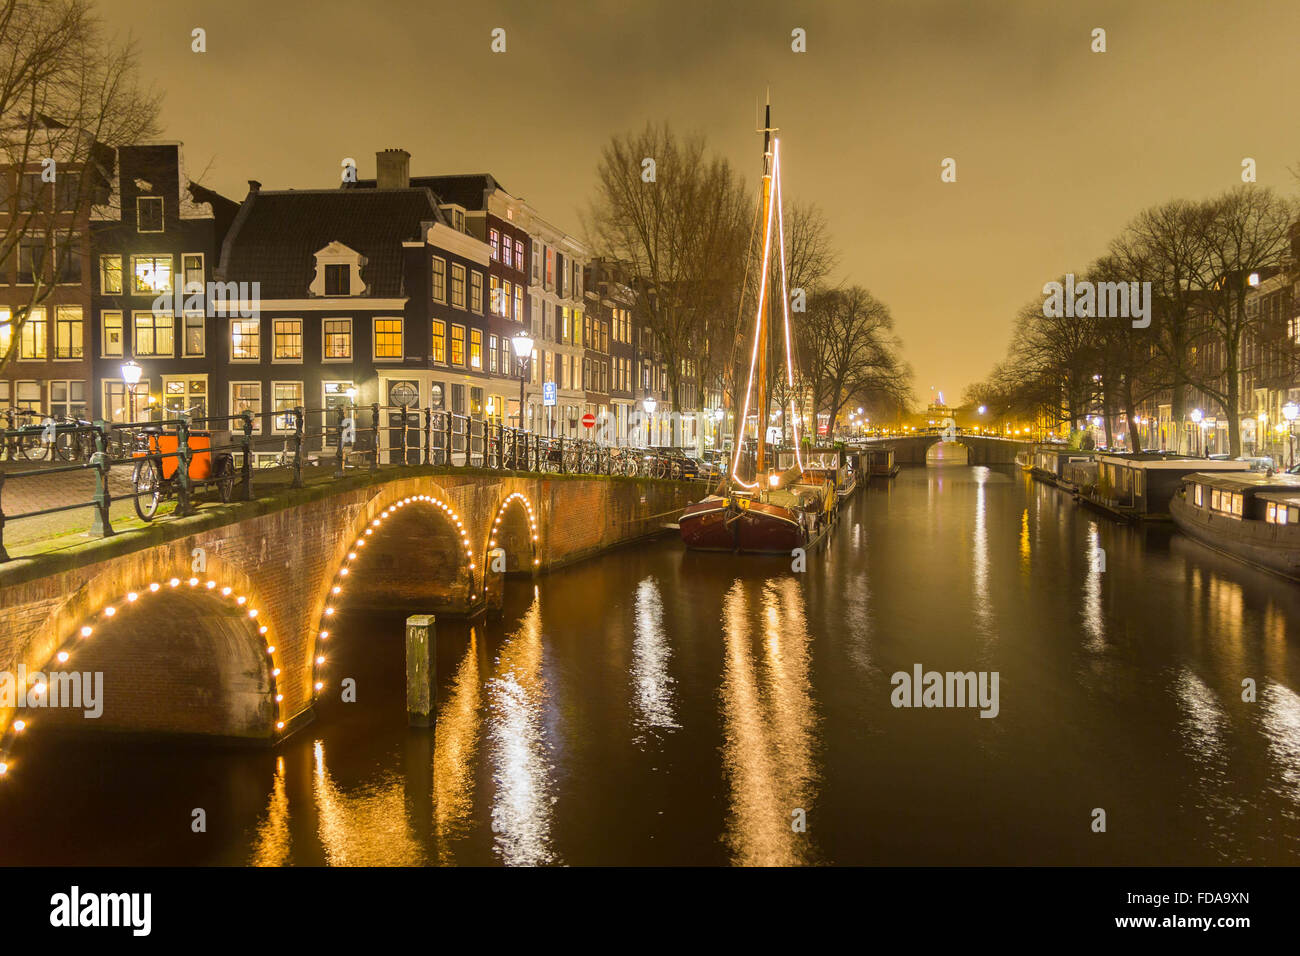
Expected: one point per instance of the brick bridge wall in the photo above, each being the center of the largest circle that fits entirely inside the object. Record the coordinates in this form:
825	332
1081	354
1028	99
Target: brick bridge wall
983	451
229	646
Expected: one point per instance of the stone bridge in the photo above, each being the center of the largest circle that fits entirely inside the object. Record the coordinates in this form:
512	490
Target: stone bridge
984	449
218	623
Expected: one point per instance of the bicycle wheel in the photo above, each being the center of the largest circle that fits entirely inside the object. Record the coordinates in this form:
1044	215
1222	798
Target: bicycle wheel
67	446
225	479
146	485
30	445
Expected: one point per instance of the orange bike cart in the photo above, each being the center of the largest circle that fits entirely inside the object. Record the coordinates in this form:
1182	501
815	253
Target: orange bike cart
168	443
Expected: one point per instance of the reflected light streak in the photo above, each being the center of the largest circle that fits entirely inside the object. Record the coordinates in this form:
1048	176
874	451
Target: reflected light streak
1093	621
521	809
455	753
1280	716
769	724
652	684
365	827
273	843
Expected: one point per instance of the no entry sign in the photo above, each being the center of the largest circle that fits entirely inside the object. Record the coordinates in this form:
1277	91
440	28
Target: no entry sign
588	420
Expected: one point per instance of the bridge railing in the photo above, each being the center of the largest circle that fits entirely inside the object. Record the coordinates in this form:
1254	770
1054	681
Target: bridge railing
54	468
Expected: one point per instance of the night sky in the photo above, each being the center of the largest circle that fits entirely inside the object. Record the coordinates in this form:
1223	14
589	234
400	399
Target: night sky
1056	147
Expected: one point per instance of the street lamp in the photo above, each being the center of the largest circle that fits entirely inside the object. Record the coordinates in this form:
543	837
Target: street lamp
131	373
1196	420
522	343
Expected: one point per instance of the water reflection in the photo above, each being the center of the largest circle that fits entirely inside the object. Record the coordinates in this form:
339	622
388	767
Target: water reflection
769	721
1094	623
367	825
521	808
652	695
1203	734
1280	708
455	753
272	845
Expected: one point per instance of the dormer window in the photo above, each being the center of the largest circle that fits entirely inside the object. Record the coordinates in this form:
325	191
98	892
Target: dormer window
338	271
149	214
337	280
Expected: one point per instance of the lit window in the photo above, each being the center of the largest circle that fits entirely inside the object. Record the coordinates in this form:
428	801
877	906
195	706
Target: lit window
286	396
388	338
194	335
247	397
153	274
287	335
245	340
494	240
458	345
475	349
32	336
438	345
492	353
110	275
154	334
110	324
507	250
68	334
338	338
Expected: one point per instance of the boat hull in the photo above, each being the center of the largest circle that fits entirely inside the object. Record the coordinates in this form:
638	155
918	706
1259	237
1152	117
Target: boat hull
704	526
762	528
1270	546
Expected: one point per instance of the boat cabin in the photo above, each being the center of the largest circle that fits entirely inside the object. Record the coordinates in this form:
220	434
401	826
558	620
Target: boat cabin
1248	496
1144	483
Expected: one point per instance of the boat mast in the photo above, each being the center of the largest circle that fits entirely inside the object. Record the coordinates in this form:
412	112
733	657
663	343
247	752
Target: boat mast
761	331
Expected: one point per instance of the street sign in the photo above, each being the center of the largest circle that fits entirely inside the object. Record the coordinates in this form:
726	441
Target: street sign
548	393
588	420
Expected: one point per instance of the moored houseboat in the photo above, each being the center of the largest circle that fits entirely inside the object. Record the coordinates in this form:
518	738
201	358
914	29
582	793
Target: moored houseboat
1054	464
880	463
1140	486
1252	517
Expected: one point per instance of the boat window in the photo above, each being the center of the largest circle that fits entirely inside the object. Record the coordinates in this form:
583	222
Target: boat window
1281	515
1272	513
1295	515
1200	497
1214	499
1238	501
1137	484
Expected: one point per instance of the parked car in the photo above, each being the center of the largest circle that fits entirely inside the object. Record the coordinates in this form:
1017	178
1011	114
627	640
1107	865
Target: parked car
689	467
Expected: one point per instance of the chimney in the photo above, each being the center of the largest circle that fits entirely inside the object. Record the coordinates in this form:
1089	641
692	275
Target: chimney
254	186
393	169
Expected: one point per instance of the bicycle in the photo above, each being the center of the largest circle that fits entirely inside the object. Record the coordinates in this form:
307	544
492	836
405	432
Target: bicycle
76	445
26	441
154	473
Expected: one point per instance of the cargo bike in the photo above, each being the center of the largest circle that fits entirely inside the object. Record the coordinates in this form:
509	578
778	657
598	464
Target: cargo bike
155	475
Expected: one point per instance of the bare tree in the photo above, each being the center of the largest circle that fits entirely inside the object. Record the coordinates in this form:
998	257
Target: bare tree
850	352
68	94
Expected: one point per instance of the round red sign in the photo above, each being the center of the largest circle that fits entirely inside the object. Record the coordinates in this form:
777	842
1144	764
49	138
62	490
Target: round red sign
588	420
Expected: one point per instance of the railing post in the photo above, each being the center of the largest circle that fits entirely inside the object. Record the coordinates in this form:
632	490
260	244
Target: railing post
374	421
428	436
183	504
246	469
563	467
402	444
4	555
297	447
101	524
338	443
446	448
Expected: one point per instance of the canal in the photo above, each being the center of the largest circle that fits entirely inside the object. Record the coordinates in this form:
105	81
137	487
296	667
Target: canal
656	707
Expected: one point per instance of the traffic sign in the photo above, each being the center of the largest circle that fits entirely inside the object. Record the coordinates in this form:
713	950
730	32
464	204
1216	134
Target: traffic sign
548	393
588	420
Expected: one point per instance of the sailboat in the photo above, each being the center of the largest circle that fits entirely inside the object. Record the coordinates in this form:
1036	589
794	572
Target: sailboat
786	505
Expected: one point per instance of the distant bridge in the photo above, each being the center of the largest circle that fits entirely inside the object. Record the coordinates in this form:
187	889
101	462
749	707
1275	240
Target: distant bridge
984	449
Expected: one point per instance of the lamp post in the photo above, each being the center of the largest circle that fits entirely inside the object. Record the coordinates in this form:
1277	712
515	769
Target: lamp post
1289	411
131	377
522	343
1196	420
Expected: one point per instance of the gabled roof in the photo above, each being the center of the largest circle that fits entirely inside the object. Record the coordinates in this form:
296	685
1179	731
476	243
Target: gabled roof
276	235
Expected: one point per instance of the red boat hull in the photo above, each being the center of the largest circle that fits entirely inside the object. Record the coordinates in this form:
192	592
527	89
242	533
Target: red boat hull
759	528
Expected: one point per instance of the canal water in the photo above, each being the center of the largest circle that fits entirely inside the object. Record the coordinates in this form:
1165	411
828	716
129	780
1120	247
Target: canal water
654	706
